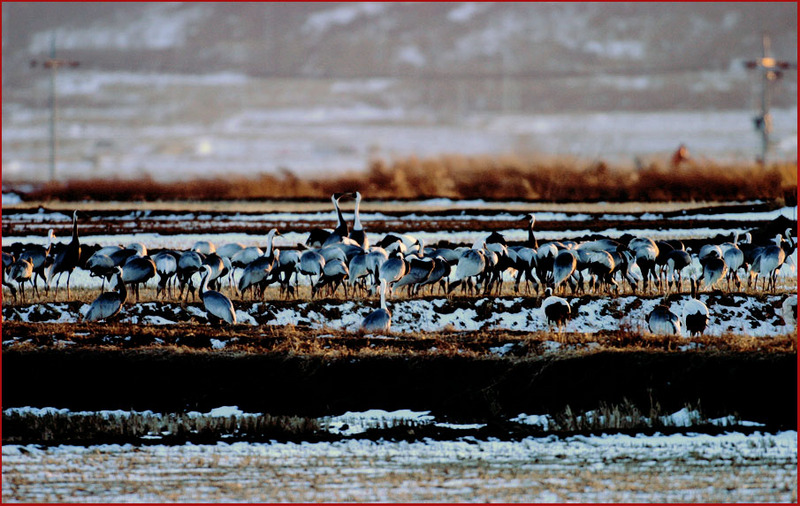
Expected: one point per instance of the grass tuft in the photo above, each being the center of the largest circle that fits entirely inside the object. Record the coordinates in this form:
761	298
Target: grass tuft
467	177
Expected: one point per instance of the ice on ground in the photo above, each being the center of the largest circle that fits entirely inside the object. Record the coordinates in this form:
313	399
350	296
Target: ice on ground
692	467
226	411
543	421
352	422
503	350
11	199
757	316
242	317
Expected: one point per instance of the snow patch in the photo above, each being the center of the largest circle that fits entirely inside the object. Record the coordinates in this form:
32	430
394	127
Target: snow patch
322	21
466	11
11	199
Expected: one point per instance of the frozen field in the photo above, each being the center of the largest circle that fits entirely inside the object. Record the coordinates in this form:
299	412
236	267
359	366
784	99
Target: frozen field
732	467
435	221
333	126
757	316
753	462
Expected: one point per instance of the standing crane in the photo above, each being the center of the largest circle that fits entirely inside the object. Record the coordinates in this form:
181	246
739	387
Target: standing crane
68	258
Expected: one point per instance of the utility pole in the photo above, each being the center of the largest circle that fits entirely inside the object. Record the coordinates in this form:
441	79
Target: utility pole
53	64
771	70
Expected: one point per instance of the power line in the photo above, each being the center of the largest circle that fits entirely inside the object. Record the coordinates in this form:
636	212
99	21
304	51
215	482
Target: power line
771	70
53	64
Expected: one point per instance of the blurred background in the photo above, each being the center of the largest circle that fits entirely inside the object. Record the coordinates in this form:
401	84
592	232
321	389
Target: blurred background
202	90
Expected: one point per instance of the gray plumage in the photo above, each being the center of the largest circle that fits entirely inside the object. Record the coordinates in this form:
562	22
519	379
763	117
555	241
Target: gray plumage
359	271
441	270
646	252
21	271
333	274
100	265
663	321
714	268
109	304
311	264
393	269
256	272
358	234
342	230
563	267
38	256
166	268
228	250
695	316
379	320
767	263
246	256
375	259
204	247
189	263
137	271
418	271
556	310
215	303
677	260
471	263
68	258
8	260
789	311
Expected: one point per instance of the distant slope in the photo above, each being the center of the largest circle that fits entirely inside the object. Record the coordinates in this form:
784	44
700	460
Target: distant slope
391	39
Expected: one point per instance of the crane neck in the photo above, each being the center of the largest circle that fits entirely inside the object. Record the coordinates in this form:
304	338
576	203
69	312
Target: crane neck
532	242
122	289
75	226
204	281
383	293
357	218
270	239
50	237
341	227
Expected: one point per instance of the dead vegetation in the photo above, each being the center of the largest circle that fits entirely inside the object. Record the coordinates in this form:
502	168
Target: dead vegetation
714	472
290	340
120	426
464	177
66	427
458	377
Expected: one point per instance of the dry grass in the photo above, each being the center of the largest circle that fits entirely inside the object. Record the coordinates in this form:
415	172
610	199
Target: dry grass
462	177
334	344
344	474
61	427
785	285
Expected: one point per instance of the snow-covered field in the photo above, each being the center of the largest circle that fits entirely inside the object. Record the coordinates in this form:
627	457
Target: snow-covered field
757	316
186	227
731	467
734	466
752	315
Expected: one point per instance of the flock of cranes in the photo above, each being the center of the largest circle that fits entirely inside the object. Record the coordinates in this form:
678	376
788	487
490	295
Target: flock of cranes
343	257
